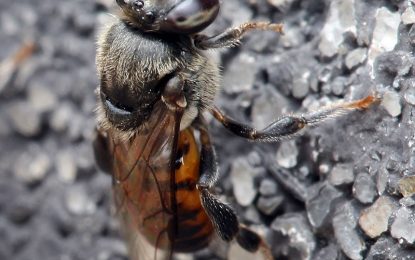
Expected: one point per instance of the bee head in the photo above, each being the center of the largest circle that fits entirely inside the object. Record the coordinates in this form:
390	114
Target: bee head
170	16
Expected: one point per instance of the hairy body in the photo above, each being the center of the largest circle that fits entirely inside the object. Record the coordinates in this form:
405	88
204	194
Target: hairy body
132	65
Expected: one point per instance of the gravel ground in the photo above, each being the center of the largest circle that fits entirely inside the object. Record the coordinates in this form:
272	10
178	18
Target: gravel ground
345	190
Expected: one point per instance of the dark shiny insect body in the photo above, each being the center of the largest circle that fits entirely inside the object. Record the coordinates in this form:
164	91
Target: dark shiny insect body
155	84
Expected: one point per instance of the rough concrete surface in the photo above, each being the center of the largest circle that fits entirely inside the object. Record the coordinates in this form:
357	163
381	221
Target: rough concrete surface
317	196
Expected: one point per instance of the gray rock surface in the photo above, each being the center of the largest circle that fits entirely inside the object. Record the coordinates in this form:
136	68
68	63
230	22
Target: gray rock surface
54	203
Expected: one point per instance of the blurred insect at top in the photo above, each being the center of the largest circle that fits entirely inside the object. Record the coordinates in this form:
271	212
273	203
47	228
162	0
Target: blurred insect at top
170	16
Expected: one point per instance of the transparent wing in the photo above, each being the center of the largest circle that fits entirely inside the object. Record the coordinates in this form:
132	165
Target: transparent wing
143	184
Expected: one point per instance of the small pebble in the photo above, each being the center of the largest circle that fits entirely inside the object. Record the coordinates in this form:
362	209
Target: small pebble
252	215
341	174
355	57
338	85
391	102
289	182
85	160
392	166
407	201
268	205
409	96
32	166
61	117
25	119
268	187
385	34
339	21
294	232
66	166
407	186
324	74
303	172
382	181
408	16
301	85
78	202
374	219
320	203
287	154
323	168
281	4
403	227
381	249
242	178
254	159
364	188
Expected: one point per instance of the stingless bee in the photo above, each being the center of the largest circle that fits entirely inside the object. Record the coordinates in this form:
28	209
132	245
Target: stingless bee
156	82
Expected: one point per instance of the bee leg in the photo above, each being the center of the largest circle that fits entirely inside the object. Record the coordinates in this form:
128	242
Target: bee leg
222	216
290	125
102	154
232	36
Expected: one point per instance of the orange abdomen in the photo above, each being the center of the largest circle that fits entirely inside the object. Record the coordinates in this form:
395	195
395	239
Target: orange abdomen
165	212
194	226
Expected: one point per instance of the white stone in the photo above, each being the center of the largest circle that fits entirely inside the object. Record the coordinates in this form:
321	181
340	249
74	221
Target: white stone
66	166
287	154
242	178
408	16
341	19
391	102
32	166
301	85
385	34
280	3
78	202
355	57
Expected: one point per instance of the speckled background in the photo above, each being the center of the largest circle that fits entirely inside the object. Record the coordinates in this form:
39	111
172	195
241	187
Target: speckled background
344	190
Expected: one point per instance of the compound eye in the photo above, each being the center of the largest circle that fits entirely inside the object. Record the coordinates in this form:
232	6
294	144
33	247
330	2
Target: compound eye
190	16
115	107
